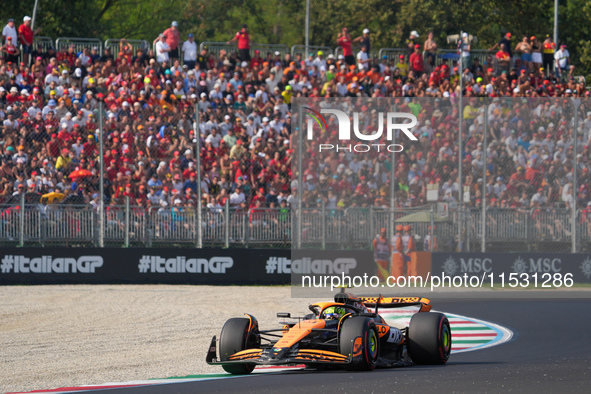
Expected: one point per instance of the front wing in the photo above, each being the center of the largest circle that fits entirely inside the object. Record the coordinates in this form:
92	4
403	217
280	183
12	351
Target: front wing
268	356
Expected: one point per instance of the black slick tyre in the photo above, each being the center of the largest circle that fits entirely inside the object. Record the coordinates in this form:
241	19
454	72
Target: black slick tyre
234	338
364	357
429	338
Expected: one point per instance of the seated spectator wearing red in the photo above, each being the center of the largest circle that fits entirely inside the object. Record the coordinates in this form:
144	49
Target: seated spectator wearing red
10	50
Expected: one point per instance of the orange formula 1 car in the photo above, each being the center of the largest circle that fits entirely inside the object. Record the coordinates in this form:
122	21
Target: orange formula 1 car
343	333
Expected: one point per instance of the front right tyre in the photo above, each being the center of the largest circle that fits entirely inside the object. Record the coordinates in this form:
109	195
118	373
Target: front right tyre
365	356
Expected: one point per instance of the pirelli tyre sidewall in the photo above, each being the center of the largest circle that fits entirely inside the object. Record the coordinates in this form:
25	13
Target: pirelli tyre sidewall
234	338
429	338
364	357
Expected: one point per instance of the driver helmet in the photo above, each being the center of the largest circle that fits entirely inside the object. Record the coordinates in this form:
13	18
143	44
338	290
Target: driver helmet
399	227
334	312
407	228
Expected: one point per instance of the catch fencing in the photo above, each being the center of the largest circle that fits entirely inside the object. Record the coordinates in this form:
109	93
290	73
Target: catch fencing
114	44
376	55
265	49
322	228
78	43
314	49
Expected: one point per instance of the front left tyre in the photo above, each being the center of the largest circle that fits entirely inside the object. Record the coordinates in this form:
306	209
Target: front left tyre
236	336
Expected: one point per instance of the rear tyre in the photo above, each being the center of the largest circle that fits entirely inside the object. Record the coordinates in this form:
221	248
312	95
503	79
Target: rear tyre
429	339
364	358
236	337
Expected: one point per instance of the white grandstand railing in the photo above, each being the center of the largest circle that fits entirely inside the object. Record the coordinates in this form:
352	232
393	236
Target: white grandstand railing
79	43
114	43
331	228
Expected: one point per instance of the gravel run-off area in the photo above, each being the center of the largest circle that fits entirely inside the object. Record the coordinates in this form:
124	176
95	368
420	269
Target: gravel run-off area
59	336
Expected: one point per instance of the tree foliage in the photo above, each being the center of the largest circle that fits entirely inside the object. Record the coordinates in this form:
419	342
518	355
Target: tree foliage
274	21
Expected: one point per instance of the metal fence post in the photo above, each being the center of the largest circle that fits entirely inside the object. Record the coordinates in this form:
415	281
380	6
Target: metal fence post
467	231
199	243
227	223
150	225
43	229
300	133
371	225
127	221
307	25
22	222
93	228
574	191
246	220
431	227
323	213
484	153
101	180
460	184
391	224
528	220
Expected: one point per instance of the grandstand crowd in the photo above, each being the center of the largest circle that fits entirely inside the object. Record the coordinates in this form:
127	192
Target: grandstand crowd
50	123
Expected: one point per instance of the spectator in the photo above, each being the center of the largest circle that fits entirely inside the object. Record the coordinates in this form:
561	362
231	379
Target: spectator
430	48
237	197
243	39
162	50
506	42
172	38
536	54
411	42
363	59
344	41
563	66
401	66
85	58
9	31
416	61
548	54
526	53
203	59
190	52
26	35
107	55
364	40
503	59
10	50
319	62
94	55
465	50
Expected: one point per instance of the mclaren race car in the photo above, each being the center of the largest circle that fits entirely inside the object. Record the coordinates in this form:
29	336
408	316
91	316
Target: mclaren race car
343	333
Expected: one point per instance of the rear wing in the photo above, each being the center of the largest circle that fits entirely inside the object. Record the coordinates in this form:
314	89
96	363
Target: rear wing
384	302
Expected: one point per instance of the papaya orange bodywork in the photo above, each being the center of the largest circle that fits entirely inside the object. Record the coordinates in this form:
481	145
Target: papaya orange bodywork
357	347
383	329
245	354
298	332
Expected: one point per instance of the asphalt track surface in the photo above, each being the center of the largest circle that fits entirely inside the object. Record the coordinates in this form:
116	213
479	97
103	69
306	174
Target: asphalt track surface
549	353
